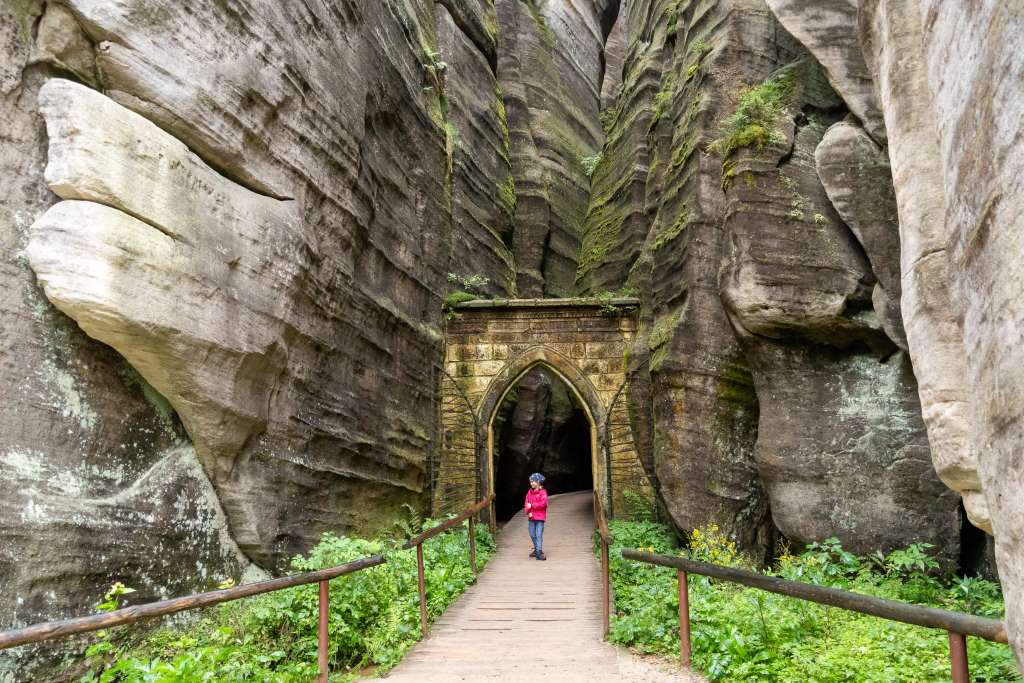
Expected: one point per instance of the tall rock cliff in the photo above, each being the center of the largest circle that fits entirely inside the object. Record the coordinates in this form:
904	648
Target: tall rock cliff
940	87
228	229
780	392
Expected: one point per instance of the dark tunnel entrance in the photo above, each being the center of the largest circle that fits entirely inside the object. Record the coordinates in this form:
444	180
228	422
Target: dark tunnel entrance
540	426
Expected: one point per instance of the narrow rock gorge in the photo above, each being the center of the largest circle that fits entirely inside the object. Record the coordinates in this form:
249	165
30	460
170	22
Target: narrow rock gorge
228	230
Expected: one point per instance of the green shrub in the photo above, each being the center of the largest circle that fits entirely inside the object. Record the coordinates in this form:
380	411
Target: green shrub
589	163
475	283
745	635
754	122
374	619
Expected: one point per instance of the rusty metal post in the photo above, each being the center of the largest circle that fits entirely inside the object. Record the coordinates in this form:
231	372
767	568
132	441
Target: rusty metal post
605	588
958	657
685	653
472	544
423	589
325	602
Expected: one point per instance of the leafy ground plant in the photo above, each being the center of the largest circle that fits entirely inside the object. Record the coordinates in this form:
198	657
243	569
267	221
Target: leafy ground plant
745	635
374	619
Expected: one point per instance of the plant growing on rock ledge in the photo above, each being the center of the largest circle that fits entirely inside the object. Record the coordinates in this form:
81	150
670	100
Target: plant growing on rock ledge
475	283
753	124
471	287
589	163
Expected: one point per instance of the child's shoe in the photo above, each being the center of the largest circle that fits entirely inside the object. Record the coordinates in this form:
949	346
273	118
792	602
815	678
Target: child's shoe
533	553
540	556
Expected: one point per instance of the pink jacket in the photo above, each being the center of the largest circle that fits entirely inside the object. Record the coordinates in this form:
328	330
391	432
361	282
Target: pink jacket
538	500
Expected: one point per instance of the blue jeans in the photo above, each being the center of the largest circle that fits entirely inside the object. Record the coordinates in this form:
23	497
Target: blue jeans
537	535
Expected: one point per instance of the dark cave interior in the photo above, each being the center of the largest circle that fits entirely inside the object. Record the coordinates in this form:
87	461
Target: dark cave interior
540	426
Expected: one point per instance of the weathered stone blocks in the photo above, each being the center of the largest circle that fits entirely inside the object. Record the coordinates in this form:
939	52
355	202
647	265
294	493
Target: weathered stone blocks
560	338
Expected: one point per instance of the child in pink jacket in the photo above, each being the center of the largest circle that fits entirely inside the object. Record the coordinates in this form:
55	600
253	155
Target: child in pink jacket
537	513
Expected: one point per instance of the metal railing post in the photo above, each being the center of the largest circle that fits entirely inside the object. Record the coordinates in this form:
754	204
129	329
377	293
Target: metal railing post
605	589
958	657
325	602
422	588
685	650
472	544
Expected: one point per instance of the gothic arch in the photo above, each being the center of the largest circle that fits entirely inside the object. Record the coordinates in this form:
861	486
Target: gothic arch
490	345
574	379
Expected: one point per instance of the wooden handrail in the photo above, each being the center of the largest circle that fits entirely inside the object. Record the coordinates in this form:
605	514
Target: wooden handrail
957	624
128	615
454	521
68	627
601	526
894	610
417	542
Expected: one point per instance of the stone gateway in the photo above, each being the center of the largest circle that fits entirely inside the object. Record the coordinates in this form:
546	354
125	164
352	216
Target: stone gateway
491	345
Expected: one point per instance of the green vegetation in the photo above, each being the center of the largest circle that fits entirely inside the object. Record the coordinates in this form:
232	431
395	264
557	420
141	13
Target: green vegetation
374	619
753	124
662	330
471	287
434	78
509	198
501	112
666	235
663	98
672	25
451	141
457	297
475	283
538	18
640	505
589	163
606	297
698	49
742	634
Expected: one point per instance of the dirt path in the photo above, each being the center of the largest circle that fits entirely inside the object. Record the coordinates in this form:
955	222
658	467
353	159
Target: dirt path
526	620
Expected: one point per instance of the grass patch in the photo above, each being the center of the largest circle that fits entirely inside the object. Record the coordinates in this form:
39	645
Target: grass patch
374	620
745	635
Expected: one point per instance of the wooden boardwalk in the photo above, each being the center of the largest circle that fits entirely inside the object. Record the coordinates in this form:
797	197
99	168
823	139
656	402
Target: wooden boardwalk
526	620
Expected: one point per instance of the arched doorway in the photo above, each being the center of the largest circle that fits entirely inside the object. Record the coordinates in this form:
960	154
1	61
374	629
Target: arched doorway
540	426
541	367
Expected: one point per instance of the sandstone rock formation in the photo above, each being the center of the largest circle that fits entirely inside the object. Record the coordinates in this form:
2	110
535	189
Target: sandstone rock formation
947	77
841	447
550	71
654	225
225	321
261	209
99	482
